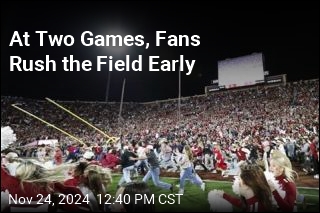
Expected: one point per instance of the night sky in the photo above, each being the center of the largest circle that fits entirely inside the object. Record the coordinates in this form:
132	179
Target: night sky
287	34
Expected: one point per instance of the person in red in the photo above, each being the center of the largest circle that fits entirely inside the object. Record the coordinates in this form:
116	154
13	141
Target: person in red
197	151
58	156
72	150
89	157
314	152
111	160
251	186
76	175
280	166
220	164
242	153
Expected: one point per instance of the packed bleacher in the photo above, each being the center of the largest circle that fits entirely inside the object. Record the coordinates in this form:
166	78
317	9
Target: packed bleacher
223	128
247	117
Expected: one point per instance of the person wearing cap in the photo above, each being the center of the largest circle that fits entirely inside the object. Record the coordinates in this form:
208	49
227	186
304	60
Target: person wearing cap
154	170
89	157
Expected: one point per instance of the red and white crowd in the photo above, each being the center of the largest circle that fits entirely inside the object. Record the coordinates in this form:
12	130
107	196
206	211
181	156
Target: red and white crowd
223	129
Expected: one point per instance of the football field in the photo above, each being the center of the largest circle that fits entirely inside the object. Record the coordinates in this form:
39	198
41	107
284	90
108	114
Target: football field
194	199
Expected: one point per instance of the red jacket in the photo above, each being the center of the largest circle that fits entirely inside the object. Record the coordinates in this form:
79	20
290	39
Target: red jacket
220	164
253	204
75	181
313	150
241	155
288	202
110	161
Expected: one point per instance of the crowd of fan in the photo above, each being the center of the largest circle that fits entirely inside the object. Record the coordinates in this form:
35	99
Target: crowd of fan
277	116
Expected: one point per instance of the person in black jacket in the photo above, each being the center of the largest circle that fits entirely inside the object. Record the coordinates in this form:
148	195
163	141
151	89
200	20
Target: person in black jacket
128	159
154	170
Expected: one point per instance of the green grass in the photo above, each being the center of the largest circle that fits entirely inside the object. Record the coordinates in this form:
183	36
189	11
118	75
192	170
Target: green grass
194	199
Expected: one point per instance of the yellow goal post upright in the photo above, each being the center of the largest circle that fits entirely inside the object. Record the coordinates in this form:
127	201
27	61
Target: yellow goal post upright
110	139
